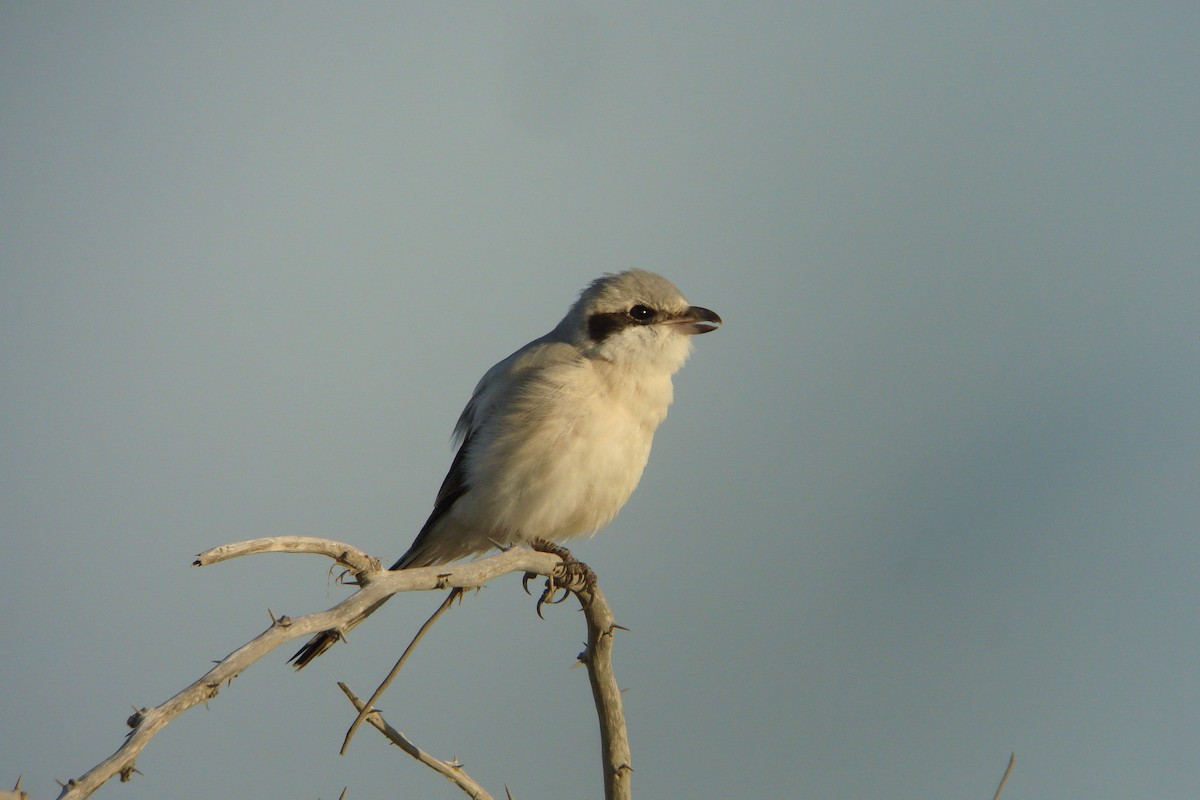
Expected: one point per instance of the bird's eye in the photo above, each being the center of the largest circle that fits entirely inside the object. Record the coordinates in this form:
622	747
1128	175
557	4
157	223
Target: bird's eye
640	313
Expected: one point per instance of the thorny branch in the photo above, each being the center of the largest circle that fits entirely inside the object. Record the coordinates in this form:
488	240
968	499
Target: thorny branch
375	584
450	770
369	706
614	739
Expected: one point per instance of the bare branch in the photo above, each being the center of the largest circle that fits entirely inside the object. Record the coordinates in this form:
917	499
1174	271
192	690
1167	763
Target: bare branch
614	739
452	772
347	555
573	577
369	706
377	585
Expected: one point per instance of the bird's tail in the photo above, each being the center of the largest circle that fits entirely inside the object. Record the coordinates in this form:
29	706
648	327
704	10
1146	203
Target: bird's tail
417	556
327	639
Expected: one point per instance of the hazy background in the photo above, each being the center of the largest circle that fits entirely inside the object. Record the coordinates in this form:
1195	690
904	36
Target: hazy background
930	496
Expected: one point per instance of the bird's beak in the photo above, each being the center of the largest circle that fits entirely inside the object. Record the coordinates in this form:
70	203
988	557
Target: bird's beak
697	320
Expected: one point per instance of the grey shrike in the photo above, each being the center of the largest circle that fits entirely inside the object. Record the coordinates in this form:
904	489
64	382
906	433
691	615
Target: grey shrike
555	437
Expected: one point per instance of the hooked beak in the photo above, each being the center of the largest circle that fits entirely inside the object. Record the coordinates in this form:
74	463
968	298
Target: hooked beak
697	320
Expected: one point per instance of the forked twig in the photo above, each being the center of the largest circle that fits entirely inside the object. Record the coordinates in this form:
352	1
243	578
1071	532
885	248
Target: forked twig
452	772
363	711
375	585
614	739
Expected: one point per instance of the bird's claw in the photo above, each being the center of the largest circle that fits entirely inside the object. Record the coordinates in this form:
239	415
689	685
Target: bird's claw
569	576
549	595
545	546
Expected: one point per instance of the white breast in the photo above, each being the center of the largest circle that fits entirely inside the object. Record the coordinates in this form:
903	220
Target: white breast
565	458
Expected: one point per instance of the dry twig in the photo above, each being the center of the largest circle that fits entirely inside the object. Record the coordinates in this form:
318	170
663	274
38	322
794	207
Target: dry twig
375	585
451	771
370	704
1012	759
614	739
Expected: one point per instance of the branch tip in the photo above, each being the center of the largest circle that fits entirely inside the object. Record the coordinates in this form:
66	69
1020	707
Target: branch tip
1012	759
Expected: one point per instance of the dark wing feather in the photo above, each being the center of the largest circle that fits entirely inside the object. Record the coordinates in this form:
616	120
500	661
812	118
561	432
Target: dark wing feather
454	486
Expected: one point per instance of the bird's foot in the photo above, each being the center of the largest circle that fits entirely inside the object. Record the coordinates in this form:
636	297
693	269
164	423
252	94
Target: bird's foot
547	546
540	545
568	576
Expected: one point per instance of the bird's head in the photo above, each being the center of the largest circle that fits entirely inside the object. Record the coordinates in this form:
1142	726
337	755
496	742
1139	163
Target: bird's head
636	319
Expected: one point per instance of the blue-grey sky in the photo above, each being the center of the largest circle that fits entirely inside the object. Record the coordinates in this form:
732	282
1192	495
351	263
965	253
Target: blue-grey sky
930	496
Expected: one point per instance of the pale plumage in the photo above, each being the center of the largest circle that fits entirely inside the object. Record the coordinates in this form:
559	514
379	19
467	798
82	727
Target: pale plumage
555	437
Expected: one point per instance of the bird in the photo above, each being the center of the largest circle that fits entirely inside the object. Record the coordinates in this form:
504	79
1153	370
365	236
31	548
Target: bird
556	436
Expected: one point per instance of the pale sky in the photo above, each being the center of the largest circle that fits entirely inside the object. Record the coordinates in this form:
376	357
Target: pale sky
929	497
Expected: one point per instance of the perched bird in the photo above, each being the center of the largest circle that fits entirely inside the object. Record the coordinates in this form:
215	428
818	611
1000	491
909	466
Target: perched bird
555	437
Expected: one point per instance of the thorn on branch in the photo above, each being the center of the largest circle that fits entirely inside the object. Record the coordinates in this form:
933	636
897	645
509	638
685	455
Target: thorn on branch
283	622
344	581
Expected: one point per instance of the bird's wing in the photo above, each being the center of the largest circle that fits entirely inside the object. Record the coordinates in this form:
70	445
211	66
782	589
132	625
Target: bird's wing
453	487
498	387
507	379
